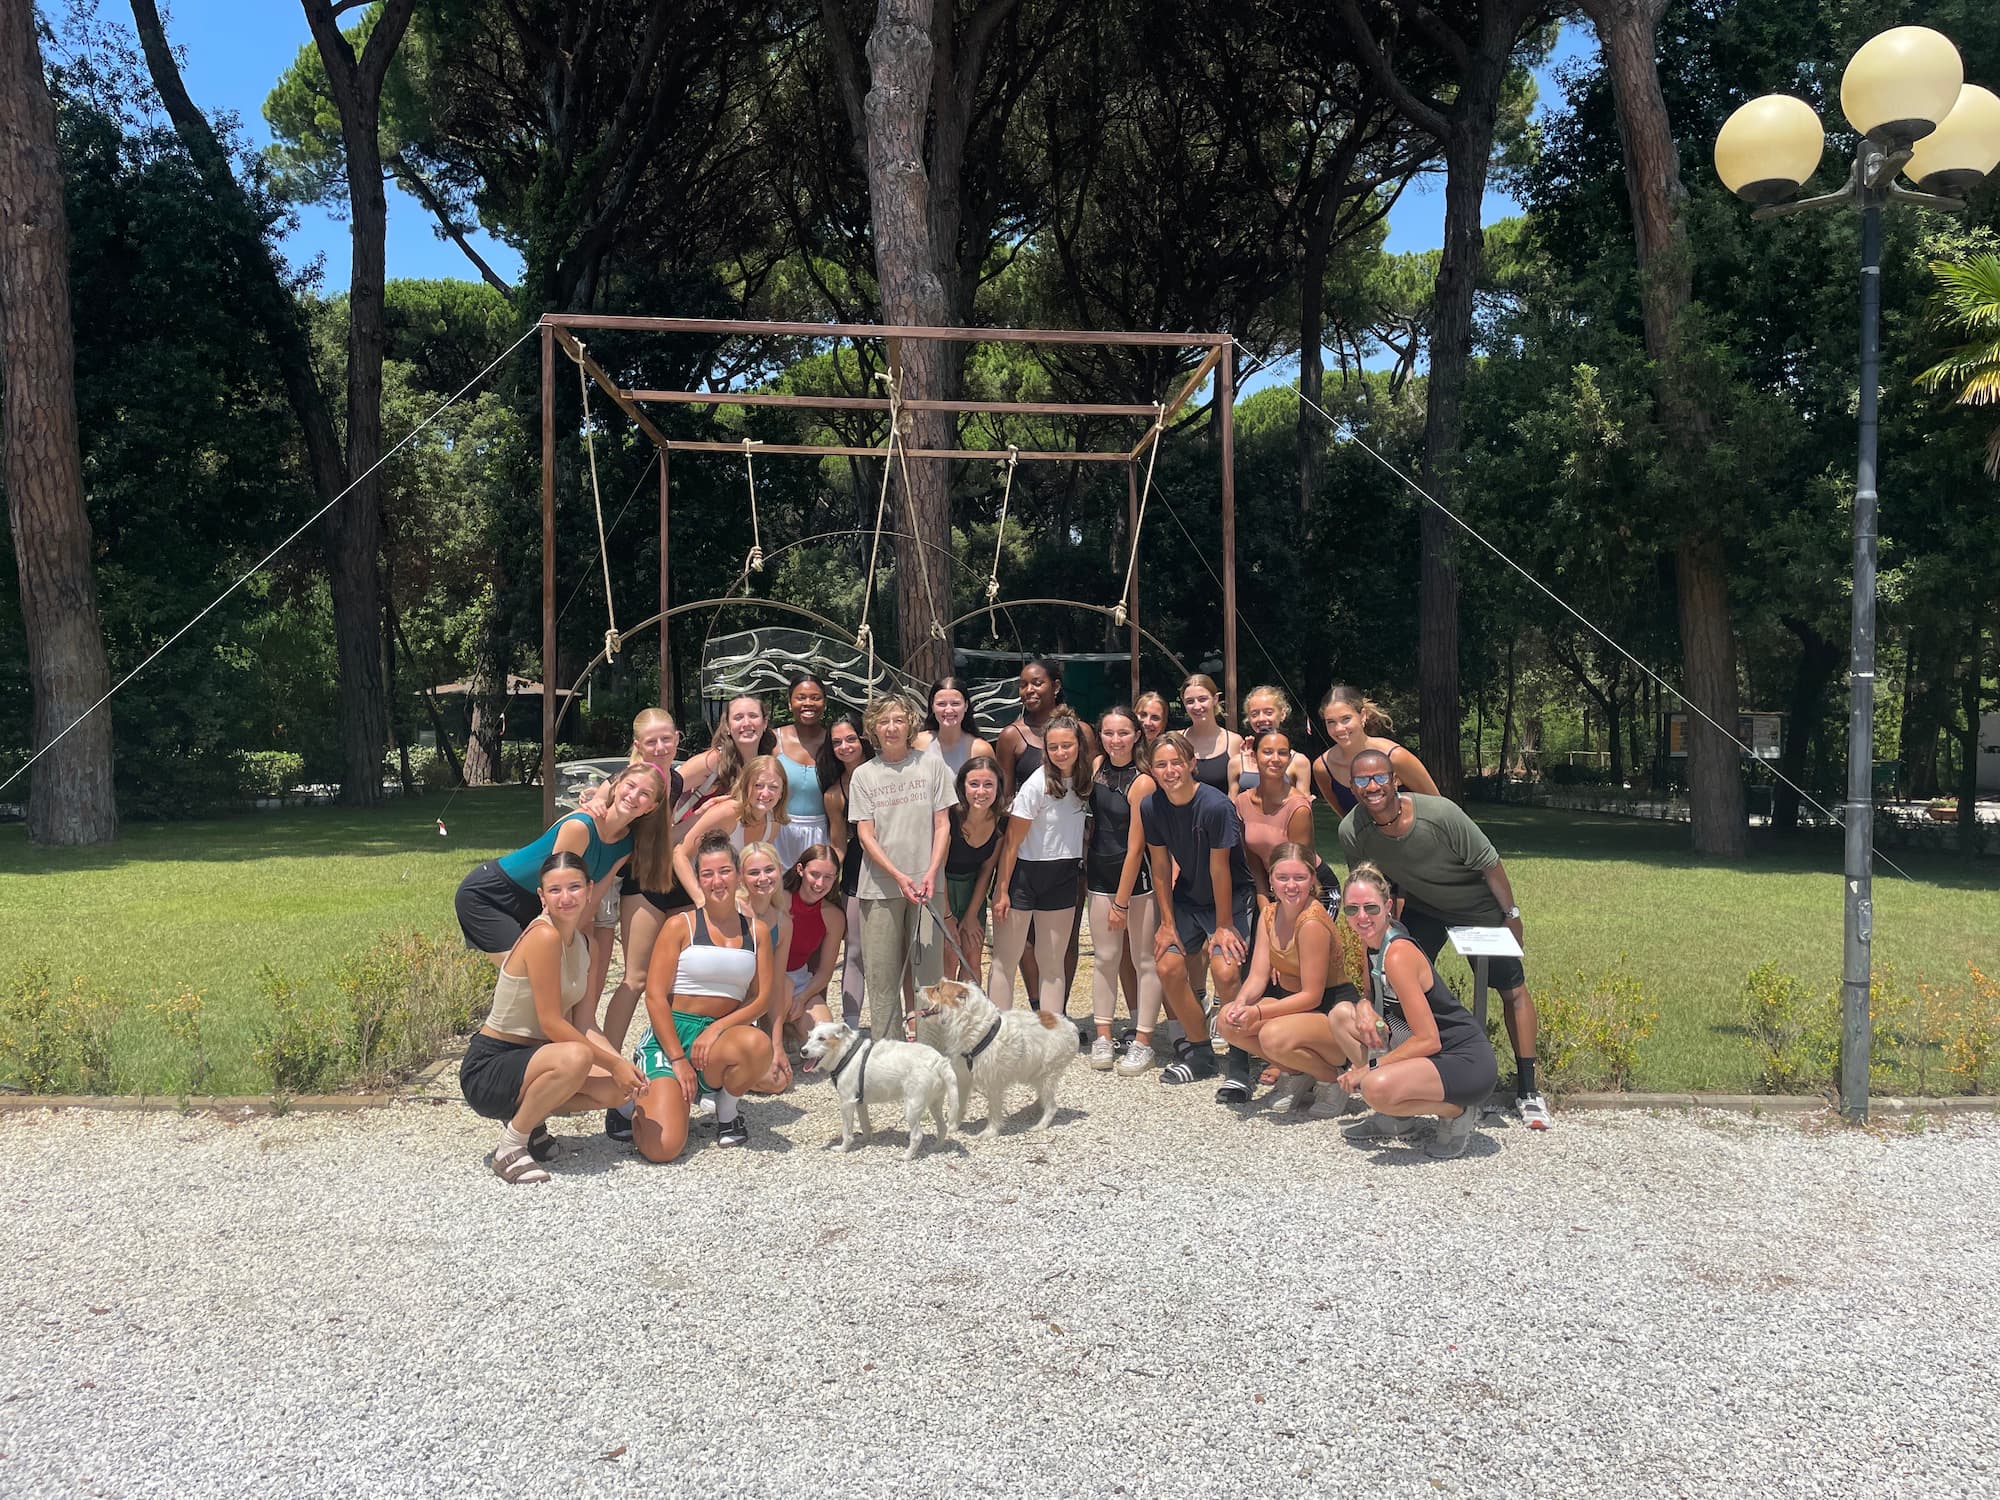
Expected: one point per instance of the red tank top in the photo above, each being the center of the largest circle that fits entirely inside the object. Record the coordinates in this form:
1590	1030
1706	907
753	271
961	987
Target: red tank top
808	932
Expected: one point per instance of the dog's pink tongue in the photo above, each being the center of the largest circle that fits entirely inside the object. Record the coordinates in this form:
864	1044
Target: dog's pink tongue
812	1065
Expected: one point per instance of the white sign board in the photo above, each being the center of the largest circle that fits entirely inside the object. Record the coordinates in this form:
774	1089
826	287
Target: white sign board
1485	942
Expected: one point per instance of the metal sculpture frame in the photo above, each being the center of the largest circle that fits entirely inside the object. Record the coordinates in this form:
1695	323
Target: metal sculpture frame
1218	359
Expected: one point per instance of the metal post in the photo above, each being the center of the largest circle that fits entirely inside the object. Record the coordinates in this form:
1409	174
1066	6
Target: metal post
1132	598
548	575
666	699
1858	869
1225	396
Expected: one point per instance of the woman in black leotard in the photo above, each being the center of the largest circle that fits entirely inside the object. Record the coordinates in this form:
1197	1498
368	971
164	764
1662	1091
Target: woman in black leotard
1215	747
1121	932
969	863
1434	1059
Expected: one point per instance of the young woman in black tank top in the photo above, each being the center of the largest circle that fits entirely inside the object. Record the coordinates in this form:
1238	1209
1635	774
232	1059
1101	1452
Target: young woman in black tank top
1019	751
970	861
1215	748
1121	932
850	749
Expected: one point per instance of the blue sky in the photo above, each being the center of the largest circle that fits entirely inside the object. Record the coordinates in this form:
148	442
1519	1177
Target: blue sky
235	50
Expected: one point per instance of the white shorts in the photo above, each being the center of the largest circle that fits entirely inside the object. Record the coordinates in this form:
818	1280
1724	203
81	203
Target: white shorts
797	836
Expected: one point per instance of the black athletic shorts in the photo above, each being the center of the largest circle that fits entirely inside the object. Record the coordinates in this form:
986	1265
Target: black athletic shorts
1432	932
493	912
1195	925
491	1074
1043	885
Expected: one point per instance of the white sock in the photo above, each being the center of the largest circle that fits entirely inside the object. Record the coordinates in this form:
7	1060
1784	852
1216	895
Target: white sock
510	1138
725	1106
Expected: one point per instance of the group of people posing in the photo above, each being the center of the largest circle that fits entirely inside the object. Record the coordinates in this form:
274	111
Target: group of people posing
834	865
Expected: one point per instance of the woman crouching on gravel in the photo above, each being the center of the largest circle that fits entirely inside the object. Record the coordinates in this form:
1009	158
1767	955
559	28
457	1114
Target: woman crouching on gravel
1296	977
714	971
540	1052
1437	1062
763	898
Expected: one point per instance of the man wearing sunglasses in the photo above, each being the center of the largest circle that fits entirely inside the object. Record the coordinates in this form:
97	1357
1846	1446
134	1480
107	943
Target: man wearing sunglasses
1448	875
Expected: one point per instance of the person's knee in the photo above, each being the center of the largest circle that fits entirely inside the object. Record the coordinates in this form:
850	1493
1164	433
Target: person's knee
568	1060
1377	1092
1171	968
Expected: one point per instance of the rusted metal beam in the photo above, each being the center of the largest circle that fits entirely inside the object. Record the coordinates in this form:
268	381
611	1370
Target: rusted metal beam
881	403
549	336
835	450
606	384
1172	408
744	329
1225	400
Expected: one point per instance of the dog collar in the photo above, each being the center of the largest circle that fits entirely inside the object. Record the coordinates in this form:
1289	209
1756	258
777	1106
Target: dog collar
984	1042
841	1066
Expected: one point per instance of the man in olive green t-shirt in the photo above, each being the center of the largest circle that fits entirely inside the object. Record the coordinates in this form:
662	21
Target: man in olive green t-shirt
1449	875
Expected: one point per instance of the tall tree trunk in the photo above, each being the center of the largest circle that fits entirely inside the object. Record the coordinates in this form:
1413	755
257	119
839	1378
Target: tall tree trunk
1627	31
1968	755
1312	354
906	269
1819	659
356	524
70	795
351	573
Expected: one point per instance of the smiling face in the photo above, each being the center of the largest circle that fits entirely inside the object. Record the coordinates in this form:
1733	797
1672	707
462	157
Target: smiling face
1292	883
1344	725
747	722
1170	767
564	893
1152	719
1274	756
635	795
1038	691
767	791
1199	703
762	875
808	704
1261	712
825	1043
1117	734
982	788
716	874
892	732
658	741
816	878
1061	748
1374	783
948	707
847	747
1366	910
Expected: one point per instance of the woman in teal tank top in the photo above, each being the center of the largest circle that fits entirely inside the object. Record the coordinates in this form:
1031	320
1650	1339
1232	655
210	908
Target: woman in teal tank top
497	901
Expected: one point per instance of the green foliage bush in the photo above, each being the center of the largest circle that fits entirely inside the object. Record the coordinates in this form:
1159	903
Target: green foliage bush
402	999
1591	1029
1925	1038
55	1041
1795	1029
302	1043
268	773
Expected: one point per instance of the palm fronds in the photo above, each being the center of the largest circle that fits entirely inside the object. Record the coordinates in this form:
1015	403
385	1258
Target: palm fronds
1968	302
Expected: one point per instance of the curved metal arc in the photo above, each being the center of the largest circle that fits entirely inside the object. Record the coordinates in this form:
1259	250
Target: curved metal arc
837	632
1103	609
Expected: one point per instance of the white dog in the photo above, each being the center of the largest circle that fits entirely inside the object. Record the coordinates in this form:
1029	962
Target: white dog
869	1072
992	1050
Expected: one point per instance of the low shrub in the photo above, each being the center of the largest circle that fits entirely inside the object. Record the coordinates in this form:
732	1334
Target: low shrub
268	773
1795	1029
57	1041
180	1017
1591	1028
1926	1038
403	998
303	1043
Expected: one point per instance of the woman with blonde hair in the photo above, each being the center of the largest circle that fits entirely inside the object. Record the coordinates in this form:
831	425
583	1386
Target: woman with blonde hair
753	813
762	897
1266	708
1215	745
1355	722
656	738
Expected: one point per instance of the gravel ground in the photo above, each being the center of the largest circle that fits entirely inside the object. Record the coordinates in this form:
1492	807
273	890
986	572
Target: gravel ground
1157	1298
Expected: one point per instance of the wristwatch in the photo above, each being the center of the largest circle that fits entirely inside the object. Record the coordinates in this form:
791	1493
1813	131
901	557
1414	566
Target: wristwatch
1513	913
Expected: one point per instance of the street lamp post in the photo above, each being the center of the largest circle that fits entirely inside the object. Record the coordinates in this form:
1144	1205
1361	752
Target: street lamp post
1905	93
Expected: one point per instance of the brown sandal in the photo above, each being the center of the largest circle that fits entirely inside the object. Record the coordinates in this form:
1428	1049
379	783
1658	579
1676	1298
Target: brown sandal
514	1166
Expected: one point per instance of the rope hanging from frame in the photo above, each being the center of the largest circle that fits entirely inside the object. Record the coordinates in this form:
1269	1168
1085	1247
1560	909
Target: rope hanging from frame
613	641
1120	614
864	634
755	562
923	572
999	538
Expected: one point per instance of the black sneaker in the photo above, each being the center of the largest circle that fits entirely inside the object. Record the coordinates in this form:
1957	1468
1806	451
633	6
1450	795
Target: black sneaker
735	1133
618	1125
541	1145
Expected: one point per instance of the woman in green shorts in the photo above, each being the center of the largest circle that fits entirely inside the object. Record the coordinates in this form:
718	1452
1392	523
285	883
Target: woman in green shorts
714	973
970	861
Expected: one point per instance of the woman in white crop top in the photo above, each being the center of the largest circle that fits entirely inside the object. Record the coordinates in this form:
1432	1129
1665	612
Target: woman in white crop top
540	1052
714	974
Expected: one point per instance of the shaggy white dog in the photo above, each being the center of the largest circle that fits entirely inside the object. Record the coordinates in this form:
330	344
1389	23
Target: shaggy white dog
865	1072
991	1050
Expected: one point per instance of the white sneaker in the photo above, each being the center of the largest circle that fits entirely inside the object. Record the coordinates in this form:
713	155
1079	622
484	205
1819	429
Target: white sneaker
1453	1136
1102	1054
1381	1127
1138	1059
1535	1112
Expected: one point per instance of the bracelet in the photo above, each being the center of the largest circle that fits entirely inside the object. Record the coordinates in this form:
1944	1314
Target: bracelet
1121	906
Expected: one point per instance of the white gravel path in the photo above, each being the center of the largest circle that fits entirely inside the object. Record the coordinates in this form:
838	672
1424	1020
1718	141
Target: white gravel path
1158	1299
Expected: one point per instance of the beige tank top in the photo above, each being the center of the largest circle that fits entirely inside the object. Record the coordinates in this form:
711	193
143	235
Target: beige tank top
514	997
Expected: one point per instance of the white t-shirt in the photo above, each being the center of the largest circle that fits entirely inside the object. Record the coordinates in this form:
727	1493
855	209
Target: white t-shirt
1055	824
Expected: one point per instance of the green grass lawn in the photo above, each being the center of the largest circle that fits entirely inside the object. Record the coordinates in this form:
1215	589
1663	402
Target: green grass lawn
206	905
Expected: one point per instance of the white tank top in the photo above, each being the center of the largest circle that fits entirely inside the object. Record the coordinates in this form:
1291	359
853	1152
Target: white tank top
705	968
513	1010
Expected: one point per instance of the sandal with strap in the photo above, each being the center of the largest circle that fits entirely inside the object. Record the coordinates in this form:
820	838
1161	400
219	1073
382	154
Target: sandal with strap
541	1145
515	1165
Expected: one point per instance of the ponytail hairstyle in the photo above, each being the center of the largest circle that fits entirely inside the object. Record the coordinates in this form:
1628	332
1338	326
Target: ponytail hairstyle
795	876
1370	874
1053	671
1374	720
1276	695
1300	852
1077	782
1279	732
715	841
645	719
1120	711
